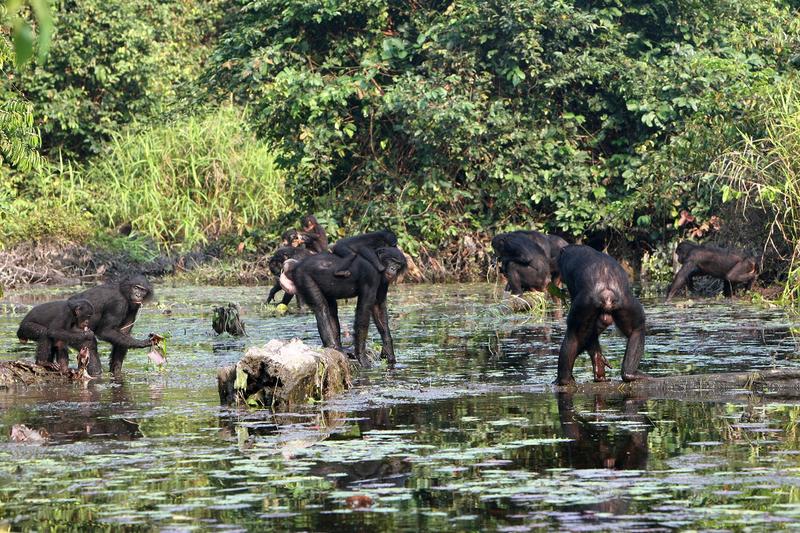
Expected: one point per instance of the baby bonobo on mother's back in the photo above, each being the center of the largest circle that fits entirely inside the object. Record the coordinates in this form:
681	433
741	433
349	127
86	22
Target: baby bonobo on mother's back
731	266
364	245
601	295
316	238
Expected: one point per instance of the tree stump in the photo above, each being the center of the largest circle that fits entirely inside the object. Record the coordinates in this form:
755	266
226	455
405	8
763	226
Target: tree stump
284	373
28	373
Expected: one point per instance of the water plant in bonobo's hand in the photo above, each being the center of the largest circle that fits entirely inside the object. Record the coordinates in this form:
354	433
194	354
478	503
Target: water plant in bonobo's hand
158	353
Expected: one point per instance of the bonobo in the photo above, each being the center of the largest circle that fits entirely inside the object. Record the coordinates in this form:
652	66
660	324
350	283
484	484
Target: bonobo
601	295
363	245
116	305
58	326
315	280
317	239
525	264
294	238
731	266
551	244
276	263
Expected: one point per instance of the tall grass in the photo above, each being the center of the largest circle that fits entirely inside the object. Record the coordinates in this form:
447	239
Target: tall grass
189	181
766	172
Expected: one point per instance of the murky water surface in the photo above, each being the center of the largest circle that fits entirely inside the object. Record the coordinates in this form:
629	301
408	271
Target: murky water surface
465	435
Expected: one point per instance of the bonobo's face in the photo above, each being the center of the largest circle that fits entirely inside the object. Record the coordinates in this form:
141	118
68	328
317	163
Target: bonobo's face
275	266
83	314
138	294
393	268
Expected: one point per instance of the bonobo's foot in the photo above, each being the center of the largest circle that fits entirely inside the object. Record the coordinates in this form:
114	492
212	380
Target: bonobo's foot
601	379
636	376
364	361
342	273
564	382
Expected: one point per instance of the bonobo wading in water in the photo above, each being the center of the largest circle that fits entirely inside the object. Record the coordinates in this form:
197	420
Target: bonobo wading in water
525	264
116	305
58	326
601	295
276	263
552	246
731	266
315	280
316	238
364	245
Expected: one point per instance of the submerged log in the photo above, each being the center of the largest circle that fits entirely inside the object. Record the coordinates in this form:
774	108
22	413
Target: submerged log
779	380
28	373
284	373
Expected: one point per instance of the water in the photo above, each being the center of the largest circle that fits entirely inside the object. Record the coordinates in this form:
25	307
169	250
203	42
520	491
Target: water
466	434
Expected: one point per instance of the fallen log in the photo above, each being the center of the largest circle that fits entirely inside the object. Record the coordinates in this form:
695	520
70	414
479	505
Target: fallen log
776	380
28	373
284	373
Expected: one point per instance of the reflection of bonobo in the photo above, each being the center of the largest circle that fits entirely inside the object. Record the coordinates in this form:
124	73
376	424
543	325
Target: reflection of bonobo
57	326
593	446
276	263
315	280
364	245
317	239
115	308
525	264
601	295
730	266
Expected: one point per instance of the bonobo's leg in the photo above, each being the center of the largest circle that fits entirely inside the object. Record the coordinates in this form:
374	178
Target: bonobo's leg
61	355
514	281
118	354
326	325
381	319
344	268
630	321
599	362
46	350
745	271
581	322
361	327
683	275
333	305
93	366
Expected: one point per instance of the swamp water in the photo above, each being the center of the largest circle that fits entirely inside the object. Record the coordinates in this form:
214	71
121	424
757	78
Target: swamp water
466	434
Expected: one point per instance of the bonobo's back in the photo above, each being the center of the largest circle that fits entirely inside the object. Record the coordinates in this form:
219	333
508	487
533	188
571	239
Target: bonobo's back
584	268
373	239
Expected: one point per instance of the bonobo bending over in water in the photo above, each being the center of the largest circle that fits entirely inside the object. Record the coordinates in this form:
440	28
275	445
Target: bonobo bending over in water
364	245
294	238
58	326
730	266
314	278
116	305
276	263
552	246
316	238
601	295
525	264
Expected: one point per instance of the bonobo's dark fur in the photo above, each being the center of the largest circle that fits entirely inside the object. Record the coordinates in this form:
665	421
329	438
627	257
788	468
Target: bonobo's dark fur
551	244
317	239
525	263
294	238
315	280
731	266
364	245
601	295
58	326
276	262
116	305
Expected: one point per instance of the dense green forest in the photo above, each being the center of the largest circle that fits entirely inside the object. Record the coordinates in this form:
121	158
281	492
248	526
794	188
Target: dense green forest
221	123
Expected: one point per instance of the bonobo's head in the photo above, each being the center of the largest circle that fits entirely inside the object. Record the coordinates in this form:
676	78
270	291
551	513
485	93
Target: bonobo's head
293	238
82	311
499	243
394	260
276	261
309	222
136	289
684	249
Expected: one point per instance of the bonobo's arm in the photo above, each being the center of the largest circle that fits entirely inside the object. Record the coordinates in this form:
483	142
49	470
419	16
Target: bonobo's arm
381	319
370	255
681	278
114	322
273	291
72	335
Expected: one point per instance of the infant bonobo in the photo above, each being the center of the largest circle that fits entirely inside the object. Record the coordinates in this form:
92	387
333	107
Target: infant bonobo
58	326
316	238
601	295
364	245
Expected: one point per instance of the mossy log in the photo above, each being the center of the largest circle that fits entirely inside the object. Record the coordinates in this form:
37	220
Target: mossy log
777	380
29	373
285	373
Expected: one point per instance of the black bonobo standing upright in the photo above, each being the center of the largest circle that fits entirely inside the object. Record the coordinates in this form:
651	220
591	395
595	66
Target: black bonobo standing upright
601	295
